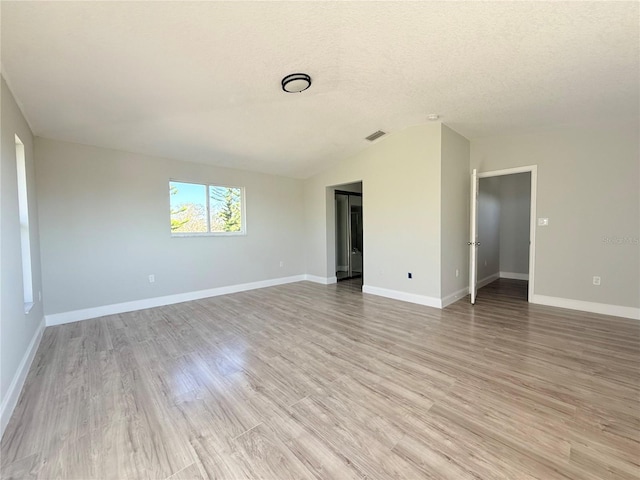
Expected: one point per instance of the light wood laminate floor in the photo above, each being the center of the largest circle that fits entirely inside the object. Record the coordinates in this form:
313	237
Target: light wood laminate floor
351	283
310	381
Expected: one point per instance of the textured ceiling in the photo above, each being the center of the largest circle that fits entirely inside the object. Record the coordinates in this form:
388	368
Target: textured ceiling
201	81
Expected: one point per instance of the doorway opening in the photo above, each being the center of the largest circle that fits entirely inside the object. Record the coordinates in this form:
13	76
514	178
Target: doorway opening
349	235
503	234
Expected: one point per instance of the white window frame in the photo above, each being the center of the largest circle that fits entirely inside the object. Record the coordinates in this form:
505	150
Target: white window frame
25	229
209	233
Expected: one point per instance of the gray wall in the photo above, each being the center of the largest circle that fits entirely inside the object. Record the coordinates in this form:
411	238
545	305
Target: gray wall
400	176
455	198
355	187
104	217
588	187
488	227
503	225
16	329
515	201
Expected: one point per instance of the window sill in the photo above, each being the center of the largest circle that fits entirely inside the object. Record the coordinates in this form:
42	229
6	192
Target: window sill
28	307
221	234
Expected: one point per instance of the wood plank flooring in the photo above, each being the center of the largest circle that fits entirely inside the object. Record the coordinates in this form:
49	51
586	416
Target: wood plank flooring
309	381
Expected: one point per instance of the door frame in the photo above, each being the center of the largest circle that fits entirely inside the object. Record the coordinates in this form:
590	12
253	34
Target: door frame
348	230
332	193
473	237
533	169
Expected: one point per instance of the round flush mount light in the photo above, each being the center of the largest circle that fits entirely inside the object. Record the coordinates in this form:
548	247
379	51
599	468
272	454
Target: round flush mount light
433	117
296	82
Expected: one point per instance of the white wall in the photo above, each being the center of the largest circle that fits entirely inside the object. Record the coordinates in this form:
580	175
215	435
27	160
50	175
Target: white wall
588	187
104	217
400	176
455	198
488	228
17	330
515	207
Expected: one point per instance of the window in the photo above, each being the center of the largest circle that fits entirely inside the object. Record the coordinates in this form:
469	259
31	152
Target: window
197	209
25	237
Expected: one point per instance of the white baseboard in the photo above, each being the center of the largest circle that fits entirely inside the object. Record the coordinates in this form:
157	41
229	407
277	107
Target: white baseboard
514	276
10	400
95	312
404	296
321	280
454	297
488	280
593	307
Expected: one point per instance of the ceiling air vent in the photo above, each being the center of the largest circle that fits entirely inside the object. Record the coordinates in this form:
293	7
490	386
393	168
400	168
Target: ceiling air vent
375	135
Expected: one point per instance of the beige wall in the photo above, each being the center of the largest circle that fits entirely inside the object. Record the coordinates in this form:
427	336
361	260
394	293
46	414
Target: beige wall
588	187
400	177
455	199
104	217
16	329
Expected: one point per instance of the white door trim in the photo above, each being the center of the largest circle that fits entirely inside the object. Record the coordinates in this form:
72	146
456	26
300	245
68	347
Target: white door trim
532	220
473	238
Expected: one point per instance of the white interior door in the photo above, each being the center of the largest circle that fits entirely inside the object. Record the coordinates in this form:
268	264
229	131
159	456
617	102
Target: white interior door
473	240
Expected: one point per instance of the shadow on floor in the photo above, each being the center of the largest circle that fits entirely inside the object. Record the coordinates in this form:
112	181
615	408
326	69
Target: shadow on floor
505	288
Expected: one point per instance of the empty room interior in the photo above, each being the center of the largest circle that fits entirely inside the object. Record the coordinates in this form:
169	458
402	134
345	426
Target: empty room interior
331	240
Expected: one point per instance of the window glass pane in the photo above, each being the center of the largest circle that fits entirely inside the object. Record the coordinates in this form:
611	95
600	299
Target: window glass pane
188	207
225	204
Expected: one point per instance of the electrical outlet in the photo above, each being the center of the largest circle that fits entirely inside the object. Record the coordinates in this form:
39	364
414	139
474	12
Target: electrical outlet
152	278
596	280
457	272
409	275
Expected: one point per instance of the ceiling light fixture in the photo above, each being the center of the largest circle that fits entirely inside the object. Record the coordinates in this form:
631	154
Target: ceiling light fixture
296	82
433	117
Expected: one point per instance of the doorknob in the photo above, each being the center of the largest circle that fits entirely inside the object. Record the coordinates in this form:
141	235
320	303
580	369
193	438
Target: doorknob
469	243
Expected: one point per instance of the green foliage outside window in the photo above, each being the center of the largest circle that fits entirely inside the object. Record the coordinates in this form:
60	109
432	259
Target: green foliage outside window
192	212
